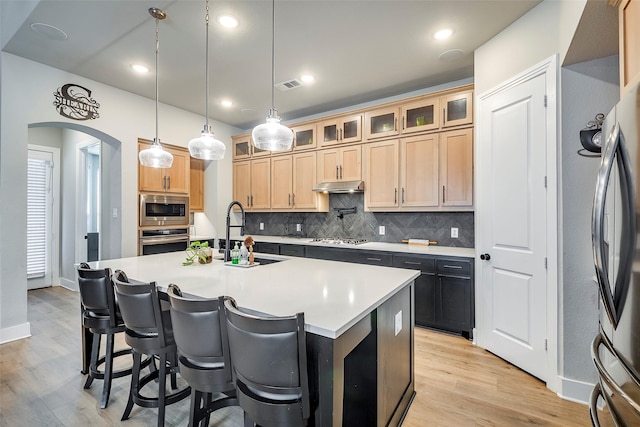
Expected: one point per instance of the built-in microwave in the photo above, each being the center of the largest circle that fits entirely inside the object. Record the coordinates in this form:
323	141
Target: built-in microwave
160	210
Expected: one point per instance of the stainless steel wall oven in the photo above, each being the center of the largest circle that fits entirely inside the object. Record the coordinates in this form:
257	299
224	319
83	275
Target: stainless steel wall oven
158	241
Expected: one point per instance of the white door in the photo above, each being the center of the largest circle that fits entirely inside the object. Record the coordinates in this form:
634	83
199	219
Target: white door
513	222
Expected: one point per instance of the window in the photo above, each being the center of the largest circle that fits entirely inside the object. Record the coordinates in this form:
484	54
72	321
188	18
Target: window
39	169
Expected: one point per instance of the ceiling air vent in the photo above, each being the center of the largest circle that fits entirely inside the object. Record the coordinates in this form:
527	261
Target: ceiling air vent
289	84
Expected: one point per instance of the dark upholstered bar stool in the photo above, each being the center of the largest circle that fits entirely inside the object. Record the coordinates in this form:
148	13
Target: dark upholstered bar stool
101	316
200	331
148	331
269	359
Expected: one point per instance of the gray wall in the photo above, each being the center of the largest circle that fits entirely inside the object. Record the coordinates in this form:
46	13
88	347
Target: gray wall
588	88
364	225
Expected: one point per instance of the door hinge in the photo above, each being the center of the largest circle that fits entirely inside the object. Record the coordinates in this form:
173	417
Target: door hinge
545	262
545	100
545	181
545	344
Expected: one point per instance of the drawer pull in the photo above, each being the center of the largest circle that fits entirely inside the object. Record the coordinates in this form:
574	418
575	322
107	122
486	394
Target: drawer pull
413	263
374	259
455	267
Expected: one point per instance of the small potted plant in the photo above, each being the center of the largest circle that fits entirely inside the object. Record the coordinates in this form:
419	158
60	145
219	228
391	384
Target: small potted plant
198	250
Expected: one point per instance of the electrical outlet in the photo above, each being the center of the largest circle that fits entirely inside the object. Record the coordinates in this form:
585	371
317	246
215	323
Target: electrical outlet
114	214
381	230
454	232
398	322
262	226
298	227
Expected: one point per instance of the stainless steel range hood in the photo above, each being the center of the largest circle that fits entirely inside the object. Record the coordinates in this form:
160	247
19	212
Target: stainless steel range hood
340	187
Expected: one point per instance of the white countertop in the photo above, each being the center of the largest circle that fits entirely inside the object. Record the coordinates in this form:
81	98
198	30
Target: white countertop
376	246
333	295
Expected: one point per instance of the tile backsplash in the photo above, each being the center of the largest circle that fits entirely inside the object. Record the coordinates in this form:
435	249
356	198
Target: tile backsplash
365	225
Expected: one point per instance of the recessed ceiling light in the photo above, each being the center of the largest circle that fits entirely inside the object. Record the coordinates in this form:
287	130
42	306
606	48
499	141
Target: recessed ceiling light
307	78
139	68
227	21
49	31
443	34
226	103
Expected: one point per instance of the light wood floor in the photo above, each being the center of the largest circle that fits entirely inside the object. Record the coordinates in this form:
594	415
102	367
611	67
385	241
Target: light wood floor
457	384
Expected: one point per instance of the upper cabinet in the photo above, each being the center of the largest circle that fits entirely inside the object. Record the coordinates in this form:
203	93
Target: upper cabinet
343	129
629	28
304	137
242	148
196	183
170	180
421	115
456	167
252	184
340	164
382	122
457	109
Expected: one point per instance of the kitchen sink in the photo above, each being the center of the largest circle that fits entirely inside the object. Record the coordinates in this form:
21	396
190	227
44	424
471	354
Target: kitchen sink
265	261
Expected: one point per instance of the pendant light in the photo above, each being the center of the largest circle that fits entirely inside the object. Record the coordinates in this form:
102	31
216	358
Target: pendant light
156	156
272	136
206	146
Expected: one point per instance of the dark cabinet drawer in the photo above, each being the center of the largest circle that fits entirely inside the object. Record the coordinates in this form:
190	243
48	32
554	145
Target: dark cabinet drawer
454	267
322	252
267	248
370	257
292	250
423	263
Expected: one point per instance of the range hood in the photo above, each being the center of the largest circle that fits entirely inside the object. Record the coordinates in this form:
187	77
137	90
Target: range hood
340	187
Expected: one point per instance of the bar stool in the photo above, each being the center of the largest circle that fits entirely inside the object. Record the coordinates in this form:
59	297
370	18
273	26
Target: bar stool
200	331
101	316
269	359
148	331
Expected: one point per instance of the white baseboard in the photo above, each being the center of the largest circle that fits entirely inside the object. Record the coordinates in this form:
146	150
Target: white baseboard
574	390
14	333
69	284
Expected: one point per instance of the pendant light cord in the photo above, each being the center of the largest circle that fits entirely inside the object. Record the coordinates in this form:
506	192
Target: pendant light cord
157	141
273	54
206	72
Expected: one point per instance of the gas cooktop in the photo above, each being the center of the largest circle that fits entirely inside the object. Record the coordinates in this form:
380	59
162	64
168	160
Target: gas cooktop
339	241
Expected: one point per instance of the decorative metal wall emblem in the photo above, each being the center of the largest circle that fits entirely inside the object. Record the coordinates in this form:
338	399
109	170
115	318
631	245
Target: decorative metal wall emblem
74	102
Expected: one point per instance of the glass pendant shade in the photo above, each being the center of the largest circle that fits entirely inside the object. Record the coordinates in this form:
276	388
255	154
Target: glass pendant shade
272	136
155	156
207	147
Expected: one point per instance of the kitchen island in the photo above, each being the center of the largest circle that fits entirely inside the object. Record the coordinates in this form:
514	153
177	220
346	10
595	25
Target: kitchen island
358	318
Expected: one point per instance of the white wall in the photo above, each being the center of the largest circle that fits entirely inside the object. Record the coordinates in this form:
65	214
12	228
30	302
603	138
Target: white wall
588	88
26	97
545	30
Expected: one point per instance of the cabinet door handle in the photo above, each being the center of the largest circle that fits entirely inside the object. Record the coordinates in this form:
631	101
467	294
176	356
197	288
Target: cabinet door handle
454	267
374	259
395	123
294	199
444	115
164	182
404	126
169	182
443	199
403	195
252	200
289	199
341	135
395	196
337	176
340	171
248	202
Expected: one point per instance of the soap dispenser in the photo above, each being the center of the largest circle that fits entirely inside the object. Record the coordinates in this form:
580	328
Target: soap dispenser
235	254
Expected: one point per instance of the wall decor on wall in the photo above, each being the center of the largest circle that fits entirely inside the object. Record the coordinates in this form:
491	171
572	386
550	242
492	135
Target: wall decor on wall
74	102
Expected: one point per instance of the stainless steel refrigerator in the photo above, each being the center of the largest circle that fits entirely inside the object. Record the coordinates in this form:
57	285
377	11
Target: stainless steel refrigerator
615	227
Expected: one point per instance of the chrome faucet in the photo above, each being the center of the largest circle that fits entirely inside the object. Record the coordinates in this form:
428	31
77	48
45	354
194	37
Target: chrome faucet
227	249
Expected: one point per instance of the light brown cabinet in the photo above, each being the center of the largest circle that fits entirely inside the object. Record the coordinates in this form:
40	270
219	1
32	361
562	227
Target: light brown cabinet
304	137
165	180
457	109
381	122
242	148
292	181
343	129
196	184
456	167
421	173
381	174
340	164
629	29
422	115
252	184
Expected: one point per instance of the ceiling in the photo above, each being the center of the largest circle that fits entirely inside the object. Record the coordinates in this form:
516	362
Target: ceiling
359	51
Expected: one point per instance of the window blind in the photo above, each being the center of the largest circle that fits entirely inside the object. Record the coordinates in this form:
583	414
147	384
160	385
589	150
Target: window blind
37	197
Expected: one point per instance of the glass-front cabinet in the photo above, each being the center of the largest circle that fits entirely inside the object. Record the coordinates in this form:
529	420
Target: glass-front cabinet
343	129
421	115
457	109
243	148
381	123
304	137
